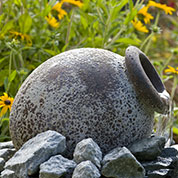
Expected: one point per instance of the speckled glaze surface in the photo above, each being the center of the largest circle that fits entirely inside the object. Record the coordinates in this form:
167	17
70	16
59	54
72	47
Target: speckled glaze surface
81	93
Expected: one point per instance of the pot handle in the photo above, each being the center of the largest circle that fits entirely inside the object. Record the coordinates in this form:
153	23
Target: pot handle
146	80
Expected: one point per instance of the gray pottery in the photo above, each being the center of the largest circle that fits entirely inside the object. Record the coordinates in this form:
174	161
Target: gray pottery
93	93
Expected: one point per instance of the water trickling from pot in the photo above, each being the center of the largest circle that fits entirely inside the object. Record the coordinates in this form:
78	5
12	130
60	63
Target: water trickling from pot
164	125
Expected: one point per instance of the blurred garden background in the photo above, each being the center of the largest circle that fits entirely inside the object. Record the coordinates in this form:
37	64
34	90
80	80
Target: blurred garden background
33	31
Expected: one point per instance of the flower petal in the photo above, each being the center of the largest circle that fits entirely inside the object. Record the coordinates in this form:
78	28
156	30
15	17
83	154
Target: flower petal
139	26
3	111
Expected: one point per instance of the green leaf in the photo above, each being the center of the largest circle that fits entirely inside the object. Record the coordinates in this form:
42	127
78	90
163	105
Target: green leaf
46	11
129	41
95	25
51	52
64	47
175	111
4	120
131	4
12	76
85	4
4	74
102	7
4	129
47	8
6	28
24	3
84	22
25	22
1	17
4	138
130	16
52	2
175	130
17	2
115	10
2	59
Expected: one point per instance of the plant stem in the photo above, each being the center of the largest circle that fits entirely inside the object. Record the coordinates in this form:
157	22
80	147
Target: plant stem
100	15
165	64
149	43
106	28
175	82
157	19
149	38
115	37
69	29
10	62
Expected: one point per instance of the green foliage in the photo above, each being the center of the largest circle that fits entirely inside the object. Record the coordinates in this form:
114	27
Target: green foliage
4	127
99	23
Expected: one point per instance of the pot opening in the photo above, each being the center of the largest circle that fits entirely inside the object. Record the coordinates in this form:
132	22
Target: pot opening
151	73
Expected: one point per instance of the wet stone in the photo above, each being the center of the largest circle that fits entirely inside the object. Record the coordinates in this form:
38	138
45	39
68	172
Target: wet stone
166	165
2	163
172	153
159	163
120	163
6	145
169	152
87	149
7	153
162	173
8	174
148	148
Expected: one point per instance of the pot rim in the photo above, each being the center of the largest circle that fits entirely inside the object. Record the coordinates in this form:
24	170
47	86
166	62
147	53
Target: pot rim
146	80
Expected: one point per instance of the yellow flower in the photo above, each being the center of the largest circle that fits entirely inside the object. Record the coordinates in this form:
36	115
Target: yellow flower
139	26
57	6
22	36
61	14
52	21
167	9
28	39
147	16
5	103
171	70
76	3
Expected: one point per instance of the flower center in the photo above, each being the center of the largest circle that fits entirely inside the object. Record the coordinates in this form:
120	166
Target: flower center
7	102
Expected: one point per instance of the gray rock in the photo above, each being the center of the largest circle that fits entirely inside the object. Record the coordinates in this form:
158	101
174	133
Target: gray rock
86	169
166	165
6	145
172	153
175	173
147	148
159	163
57	166
8	174
162	173
35	151
169	152
120	163
87	149
2	163
175	147
7	153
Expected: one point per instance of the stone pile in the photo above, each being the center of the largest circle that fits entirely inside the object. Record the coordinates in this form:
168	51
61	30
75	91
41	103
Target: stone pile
44	157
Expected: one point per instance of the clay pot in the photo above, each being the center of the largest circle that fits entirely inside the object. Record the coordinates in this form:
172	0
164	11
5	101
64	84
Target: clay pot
93	93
